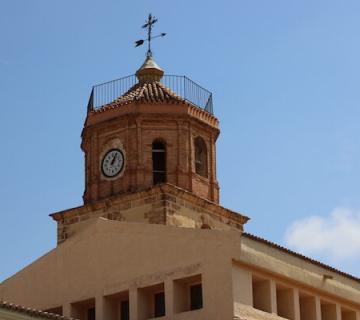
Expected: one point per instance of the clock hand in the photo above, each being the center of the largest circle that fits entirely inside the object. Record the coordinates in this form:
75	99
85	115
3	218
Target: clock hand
113	159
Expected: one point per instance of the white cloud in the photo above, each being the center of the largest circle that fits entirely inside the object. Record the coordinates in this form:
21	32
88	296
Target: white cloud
336	235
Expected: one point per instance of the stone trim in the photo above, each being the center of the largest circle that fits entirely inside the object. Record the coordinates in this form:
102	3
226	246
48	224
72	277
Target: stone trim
130	200
158	205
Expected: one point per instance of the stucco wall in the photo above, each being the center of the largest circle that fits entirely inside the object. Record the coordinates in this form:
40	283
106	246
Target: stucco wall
297	270
107	257
269	283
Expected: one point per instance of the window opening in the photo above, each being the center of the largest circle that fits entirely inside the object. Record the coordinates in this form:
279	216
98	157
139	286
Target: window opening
124	310
196	299
201	157
159	304
91	314
159	162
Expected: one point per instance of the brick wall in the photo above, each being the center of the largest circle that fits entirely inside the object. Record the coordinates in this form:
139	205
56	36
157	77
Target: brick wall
134	132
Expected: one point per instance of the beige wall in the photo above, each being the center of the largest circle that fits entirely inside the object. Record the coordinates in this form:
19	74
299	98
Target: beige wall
109	257
269	283
259	296
285	266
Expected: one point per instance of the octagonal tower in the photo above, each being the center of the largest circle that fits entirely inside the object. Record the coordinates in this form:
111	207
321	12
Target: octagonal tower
146	130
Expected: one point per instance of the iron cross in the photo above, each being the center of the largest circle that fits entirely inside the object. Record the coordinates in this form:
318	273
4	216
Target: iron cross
148	25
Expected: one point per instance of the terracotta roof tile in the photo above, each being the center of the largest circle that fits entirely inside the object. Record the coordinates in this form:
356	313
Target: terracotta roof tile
145	92
31	312
298	255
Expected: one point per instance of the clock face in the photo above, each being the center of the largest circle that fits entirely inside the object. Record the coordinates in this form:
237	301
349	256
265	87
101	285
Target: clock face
112	163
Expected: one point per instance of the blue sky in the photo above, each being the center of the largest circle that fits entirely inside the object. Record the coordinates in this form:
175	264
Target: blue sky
285	80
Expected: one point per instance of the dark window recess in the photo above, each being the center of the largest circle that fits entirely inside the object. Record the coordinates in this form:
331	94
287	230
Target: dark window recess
124	310
91	314
196	299
201	167
159	304
159	162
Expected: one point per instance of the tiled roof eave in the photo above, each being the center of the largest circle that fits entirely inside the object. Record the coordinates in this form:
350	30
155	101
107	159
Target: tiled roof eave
140	101
31	312
300	256
148	92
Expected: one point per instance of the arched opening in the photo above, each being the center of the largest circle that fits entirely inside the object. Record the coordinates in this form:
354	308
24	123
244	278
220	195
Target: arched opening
159	161
201	162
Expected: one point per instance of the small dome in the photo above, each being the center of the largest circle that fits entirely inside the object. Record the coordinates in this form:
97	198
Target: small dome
147	92
149	71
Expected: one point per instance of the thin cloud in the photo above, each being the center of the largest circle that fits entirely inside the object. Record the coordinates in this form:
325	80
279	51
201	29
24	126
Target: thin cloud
336	235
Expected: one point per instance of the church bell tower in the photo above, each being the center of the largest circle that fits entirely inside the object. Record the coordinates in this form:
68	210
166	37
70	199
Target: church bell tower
150	154
146	130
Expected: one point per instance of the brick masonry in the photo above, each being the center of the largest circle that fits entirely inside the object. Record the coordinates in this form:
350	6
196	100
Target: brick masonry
133	128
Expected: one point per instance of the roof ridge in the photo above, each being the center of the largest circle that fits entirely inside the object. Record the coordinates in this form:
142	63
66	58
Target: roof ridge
141	91
169	91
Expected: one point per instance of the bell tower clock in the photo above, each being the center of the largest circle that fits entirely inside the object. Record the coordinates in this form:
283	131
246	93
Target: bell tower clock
148	135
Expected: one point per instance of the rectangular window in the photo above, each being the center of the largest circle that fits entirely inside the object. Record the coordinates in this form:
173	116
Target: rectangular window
261	294
188	294
84	310
196	299
124	310
285	298
91	314
159	304
159	162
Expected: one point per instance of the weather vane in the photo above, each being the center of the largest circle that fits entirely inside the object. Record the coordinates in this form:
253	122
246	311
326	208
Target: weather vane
148	25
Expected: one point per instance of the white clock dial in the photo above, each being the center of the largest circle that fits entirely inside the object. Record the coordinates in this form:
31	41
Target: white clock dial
112	163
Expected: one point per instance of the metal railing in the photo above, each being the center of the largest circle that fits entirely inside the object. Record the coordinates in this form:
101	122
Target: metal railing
105	93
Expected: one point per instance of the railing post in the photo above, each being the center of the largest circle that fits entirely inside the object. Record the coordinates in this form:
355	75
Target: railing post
90	106
184	88
105	93
209	105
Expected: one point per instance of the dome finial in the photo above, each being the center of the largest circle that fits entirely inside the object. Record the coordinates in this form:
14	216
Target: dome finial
149	71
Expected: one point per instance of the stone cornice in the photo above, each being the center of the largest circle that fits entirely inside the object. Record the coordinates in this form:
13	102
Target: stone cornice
163	108
169	189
